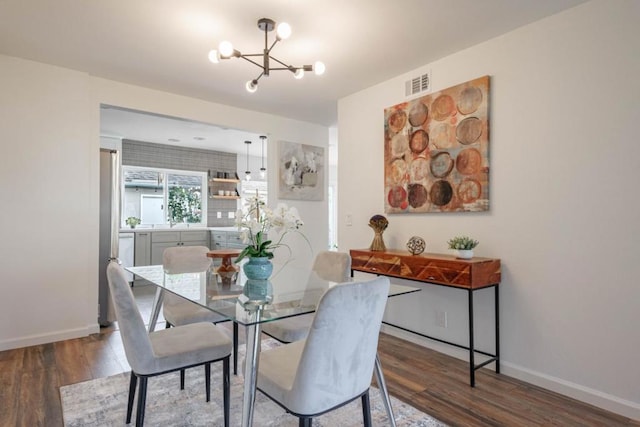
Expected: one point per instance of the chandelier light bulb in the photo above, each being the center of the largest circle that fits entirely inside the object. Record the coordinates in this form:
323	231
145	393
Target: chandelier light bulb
299	73
247	176
214	57
263	173
319	68
226	49
283	31
252	86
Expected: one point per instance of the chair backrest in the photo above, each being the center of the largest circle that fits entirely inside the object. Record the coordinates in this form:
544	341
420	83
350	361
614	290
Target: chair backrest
333	266
135	337
185	259
339	354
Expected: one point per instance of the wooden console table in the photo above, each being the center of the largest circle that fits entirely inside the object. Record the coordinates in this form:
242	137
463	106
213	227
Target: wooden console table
443	270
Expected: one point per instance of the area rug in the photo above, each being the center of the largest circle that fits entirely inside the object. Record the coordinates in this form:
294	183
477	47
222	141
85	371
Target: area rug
103	402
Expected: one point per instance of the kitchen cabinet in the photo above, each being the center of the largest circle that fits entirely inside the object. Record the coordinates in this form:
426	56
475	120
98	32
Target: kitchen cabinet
142	251
126	252
227	239
161	240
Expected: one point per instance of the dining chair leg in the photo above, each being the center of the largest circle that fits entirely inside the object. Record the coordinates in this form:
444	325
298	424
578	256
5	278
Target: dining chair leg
132	394
207	380
235	348
226	390
142	397
305	422
181	379
366	409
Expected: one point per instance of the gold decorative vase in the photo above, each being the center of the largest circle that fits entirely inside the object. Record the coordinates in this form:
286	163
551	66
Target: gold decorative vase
379	223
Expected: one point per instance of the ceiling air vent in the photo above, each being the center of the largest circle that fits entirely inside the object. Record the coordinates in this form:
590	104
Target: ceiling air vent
418	84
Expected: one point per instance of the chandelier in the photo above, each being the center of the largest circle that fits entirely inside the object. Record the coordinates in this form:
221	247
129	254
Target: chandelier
283	31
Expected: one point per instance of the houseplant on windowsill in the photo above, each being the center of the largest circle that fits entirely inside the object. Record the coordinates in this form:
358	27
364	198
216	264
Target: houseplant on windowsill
463	245
256	222
132	221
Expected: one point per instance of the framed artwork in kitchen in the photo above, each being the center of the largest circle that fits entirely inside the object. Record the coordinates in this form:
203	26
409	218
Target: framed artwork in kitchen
301	171
436	151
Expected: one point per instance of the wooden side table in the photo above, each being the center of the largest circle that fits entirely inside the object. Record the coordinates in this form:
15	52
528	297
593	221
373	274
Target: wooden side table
227	271
471	275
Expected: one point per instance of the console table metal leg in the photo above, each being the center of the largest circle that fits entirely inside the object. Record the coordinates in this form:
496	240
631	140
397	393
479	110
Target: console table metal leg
472	363
497	306
383	390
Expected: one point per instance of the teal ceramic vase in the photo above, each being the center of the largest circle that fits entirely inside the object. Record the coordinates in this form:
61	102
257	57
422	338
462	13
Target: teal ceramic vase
258	268
258	292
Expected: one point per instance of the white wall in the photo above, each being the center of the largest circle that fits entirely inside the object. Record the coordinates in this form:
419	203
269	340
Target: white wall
564	206
49	176
47	130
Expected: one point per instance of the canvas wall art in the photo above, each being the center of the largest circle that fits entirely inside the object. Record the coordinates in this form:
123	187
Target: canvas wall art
436	151
301	171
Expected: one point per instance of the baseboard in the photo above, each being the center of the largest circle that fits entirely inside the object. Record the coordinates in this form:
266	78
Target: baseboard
588	395
584	394
38	339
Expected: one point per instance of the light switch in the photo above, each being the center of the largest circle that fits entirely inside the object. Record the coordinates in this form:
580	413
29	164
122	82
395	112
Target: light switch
349	220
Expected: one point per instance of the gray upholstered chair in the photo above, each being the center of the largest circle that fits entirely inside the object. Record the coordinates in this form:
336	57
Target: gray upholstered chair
334	365
178	311
328	265
167	350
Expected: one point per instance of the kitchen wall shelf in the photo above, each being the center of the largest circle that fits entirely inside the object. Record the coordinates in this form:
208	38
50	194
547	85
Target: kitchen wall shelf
225	197
224	188
224	180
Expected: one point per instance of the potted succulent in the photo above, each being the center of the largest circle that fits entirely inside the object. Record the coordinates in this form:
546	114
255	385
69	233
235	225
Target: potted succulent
132	221
463	245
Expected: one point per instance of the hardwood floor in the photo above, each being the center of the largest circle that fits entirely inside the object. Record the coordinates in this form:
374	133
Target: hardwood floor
438	385
433	382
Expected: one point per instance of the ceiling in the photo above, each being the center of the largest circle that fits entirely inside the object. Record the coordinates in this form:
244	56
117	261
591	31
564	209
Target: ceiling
164	44
140	126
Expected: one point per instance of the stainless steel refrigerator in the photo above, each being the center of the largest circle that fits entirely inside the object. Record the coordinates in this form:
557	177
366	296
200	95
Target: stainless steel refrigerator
109	229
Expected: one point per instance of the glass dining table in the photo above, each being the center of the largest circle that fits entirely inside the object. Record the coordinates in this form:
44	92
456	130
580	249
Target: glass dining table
290	291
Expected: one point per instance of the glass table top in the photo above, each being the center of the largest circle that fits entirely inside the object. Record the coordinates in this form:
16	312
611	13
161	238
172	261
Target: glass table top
290	291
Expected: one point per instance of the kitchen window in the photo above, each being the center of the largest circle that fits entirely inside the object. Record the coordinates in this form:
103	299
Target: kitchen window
164	196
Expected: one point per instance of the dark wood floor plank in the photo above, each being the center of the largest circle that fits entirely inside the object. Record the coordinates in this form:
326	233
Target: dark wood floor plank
103	360
38	357
9	389
39	403
71	362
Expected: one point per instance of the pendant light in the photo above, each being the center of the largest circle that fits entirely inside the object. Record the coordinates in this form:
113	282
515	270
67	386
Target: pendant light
247	173
263	170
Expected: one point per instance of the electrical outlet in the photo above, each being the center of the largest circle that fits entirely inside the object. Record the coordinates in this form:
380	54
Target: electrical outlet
441	318
349	220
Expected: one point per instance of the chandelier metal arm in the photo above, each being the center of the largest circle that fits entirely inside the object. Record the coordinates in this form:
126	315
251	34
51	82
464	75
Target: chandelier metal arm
258	78
287	66
268	51
252	61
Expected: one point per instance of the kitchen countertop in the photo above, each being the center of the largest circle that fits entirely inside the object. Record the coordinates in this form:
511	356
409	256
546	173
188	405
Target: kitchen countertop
176	228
